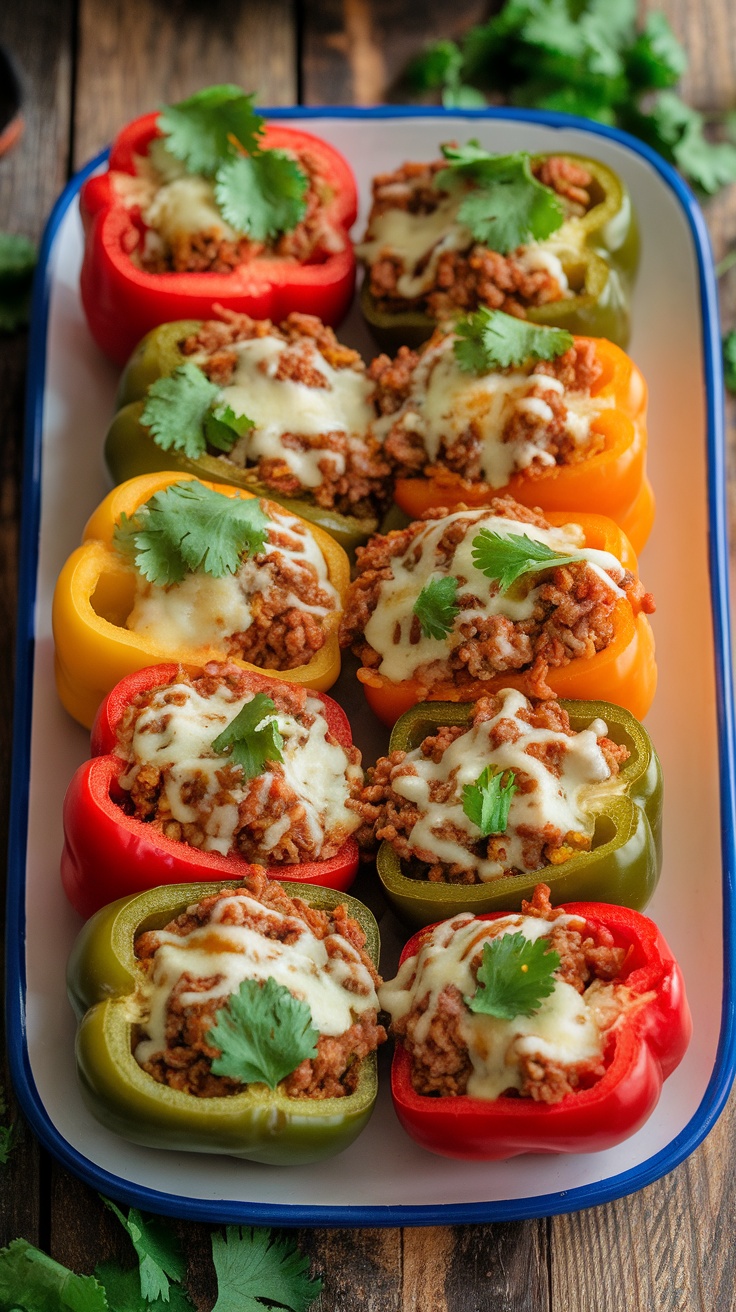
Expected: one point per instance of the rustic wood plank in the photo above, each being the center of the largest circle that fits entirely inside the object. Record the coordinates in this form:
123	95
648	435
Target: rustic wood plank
135	55
39	36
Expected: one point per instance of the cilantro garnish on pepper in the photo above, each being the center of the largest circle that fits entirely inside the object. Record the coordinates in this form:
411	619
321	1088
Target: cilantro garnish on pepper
263	1033
183	414
514	977
436	608
507	558
507	206
253	736
187	528
487	802
217	133
490	339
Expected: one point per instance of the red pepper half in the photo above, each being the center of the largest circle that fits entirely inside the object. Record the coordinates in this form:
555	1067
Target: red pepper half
108	854
644	1048
123	302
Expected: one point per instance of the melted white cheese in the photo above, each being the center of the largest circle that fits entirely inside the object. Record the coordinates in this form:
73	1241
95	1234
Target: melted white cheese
562	802
393	613
305	967
203	611
564	1028
186	205
175	733
279	406
445	401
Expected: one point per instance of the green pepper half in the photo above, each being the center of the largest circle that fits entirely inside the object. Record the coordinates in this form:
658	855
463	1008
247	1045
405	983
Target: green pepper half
599	252
622	867
260	1124
130	448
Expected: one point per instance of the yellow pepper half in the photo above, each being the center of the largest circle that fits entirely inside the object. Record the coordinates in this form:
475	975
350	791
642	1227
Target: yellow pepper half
94	596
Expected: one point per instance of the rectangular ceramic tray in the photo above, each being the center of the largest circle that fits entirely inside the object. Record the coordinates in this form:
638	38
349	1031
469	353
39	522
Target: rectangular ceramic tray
384	1179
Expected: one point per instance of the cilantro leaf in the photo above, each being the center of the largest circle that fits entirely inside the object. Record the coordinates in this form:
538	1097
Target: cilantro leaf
263	1033
729	360
123	1289
158	1251
189	527
436	608
223	427
176	408
462	96
257	1272
33	1281
263	195
491	339
200	131
507	205
514	977
655	59
17	262
253	737
436	66
486	803
507	558
17	256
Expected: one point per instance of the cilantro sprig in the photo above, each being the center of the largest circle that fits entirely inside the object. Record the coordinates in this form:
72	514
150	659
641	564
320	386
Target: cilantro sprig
217	133
507	205
585	57
514	977
17	262
487	802
436	607
159	1254
263	1033
490	339
183	413
507	558
255	1271
190	528
252	736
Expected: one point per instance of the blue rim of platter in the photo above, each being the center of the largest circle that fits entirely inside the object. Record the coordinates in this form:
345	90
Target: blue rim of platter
719	1085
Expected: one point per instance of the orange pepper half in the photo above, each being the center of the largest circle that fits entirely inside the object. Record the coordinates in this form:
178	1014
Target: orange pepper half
94	596
613	482
624	672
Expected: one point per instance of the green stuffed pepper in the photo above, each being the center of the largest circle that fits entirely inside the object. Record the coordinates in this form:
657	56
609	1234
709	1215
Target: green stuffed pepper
484	799
225	1064
550	238
282	411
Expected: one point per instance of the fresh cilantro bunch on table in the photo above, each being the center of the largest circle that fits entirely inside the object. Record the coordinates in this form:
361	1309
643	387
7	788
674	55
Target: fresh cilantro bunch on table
514	977
183	413
189	527
252	736
17	262
490	339
217	133
255	1273
586	57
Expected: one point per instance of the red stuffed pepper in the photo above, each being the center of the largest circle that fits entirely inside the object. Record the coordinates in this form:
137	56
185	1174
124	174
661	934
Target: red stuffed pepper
548	1032
201	775
169	234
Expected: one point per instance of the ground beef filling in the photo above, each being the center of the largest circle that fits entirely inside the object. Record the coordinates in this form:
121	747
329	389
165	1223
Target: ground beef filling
387	816
260	805
355	475
441	1062
573	614
476	276
311	241
578	369
185	1063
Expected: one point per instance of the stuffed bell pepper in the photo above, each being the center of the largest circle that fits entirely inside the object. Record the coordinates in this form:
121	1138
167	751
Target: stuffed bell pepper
284	411
176	569
477	801
551	238
199	775
458	605
497	406
205	204
551	1031
239	1020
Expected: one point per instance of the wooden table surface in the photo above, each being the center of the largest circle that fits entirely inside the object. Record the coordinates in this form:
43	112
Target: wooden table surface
89	66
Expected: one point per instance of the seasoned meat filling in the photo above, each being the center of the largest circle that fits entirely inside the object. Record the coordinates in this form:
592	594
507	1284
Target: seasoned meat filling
419	255
291	810
190	968
549	616
275	612
414	800
563	1046
309	402
486	428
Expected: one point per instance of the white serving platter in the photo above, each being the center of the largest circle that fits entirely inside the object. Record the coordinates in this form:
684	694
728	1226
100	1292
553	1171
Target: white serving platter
384	1178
